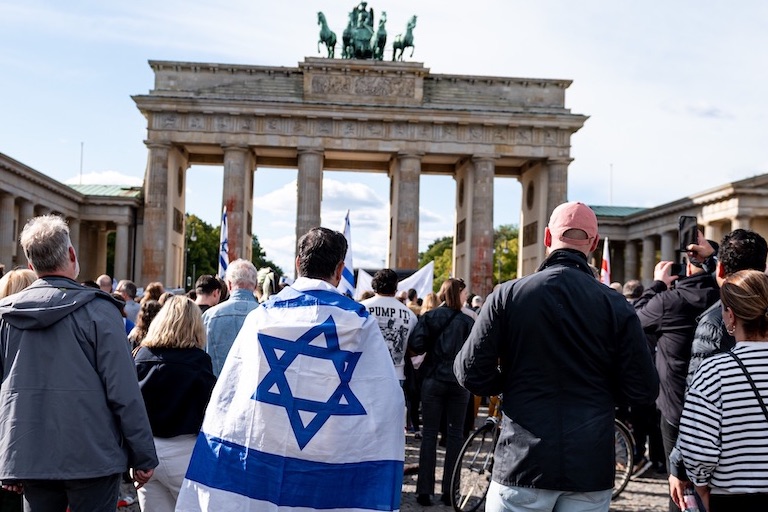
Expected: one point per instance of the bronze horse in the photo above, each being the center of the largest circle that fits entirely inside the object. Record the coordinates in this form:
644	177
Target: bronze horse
404	41
327	36
380	38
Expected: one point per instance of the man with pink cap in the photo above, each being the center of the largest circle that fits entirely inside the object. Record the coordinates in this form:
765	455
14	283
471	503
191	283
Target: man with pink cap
564	350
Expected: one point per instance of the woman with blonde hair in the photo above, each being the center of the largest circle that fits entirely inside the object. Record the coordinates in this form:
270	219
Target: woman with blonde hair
176	379
722	429
440	333
15	281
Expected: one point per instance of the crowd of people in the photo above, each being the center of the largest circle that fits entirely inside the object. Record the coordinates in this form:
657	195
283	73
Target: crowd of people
249	394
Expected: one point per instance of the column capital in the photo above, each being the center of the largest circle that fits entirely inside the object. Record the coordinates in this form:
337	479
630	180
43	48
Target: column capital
236	147
559	161
307	150
410	154
151	144
485	158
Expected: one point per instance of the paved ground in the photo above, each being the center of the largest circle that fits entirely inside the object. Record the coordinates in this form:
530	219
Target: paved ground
646	494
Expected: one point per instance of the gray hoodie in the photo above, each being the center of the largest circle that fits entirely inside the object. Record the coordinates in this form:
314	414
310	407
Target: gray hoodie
70	405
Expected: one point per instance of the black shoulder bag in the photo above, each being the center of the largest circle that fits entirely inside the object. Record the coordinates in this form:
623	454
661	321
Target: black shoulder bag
751	382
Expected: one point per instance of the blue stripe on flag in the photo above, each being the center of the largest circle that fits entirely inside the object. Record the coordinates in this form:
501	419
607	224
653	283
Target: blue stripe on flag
291	482
318	298
348	275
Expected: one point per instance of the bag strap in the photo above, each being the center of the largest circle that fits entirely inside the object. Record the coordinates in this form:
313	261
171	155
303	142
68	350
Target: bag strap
751	382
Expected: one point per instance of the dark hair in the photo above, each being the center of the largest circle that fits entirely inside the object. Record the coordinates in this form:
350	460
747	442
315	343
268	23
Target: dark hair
746	293
207	284
633	289
450	293
319	253
412	294
385	282
742	250
90	284
147	312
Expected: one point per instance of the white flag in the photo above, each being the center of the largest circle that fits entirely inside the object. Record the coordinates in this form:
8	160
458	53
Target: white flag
347	283
306	414
605	269
224	246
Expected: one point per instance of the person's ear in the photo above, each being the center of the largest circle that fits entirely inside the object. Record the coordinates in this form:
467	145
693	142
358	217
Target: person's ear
547	237
594	244
720	270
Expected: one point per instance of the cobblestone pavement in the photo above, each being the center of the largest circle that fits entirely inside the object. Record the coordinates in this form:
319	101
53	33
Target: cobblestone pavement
646	494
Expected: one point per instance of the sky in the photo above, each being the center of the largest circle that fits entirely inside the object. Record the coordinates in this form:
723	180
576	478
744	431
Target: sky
674	92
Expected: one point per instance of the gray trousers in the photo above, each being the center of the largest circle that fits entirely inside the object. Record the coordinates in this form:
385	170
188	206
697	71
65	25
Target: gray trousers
81	495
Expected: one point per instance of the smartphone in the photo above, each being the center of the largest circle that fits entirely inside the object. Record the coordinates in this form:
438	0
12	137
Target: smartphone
676	269
688	229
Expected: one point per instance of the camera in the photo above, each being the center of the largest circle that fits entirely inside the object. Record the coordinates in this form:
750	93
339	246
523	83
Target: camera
677	269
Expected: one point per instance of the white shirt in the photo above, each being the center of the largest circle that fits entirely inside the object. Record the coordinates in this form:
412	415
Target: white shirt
396	322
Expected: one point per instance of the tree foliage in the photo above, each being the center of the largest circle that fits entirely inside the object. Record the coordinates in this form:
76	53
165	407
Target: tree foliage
505	253
203	251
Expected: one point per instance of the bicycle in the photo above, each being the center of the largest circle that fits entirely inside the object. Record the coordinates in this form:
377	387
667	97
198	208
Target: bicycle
472	473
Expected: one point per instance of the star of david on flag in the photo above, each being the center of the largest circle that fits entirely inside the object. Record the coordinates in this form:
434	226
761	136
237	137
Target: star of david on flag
308	416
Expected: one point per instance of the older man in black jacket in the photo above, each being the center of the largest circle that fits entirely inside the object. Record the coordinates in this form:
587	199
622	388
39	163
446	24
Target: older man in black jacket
562	348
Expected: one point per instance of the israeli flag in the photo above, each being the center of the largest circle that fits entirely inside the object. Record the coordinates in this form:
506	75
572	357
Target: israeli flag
224	245
307	413
347	283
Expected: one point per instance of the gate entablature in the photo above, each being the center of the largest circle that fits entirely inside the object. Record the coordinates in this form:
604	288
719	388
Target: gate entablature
394	117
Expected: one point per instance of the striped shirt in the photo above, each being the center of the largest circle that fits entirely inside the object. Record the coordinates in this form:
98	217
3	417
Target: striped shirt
723	430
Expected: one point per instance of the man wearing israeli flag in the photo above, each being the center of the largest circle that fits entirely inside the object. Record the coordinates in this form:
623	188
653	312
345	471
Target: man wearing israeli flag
307	411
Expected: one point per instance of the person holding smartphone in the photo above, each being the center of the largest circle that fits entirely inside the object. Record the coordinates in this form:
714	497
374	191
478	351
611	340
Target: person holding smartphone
669	313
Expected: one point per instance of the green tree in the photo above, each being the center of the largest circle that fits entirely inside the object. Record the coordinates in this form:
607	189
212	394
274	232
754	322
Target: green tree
505	253
441	252
202	241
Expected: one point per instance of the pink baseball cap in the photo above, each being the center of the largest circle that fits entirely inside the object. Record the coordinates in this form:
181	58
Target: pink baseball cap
573	215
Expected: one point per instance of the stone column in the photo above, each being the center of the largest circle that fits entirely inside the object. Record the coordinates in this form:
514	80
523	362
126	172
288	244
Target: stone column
309	184
557	191
74	234
740	222
405	176
121	251
7	242
481	236
101	250
238	181
649	260
668	245
26	212
630	260
157	225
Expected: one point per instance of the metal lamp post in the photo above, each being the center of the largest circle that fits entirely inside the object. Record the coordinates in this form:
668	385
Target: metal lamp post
190	280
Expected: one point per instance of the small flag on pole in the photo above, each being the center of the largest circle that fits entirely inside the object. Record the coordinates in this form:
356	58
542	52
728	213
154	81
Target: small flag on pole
347	283
605	269
223	245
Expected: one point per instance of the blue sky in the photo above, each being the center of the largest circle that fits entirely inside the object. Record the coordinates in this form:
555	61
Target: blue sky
674	91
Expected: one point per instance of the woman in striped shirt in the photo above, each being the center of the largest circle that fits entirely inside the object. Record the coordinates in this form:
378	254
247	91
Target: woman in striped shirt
724	424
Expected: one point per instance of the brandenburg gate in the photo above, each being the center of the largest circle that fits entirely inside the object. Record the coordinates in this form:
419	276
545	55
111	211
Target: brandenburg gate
359	116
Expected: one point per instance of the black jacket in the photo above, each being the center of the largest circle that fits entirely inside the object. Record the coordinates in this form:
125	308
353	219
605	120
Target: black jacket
440	333
176	384
670	315
568	348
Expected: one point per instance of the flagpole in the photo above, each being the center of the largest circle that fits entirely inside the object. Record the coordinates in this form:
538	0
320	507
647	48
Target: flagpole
223	245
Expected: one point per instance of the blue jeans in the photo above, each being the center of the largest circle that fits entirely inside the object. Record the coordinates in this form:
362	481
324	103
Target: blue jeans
438	396
525	499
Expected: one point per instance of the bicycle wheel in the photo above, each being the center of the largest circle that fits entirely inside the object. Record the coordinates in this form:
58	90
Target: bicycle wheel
472	474
625	457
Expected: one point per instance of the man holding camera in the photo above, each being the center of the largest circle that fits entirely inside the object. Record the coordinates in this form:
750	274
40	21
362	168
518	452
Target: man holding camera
669	314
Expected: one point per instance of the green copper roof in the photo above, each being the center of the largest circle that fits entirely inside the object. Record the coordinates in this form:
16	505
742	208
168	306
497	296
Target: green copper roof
614	211
108	190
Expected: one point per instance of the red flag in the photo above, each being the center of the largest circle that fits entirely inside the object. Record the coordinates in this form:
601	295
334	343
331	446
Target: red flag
605	269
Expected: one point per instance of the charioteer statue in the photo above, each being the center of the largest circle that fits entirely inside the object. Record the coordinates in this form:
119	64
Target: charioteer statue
360	40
